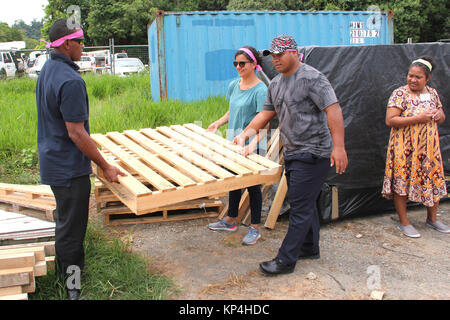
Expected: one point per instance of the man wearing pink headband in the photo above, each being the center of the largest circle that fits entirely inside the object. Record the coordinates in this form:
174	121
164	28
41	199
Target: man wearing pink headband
66	148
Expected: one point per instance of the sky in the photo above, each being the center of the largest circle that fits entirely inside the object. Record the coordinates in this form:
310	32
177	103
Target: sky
26	10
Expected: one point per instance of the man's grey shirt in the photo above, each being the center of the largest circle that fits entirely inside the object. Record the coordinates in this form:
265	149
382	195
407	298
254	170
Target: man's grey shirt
299	101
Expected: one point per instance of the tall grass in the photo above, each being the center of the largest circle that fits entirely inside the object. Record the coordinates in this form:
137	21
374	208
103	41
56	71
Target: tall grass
116	104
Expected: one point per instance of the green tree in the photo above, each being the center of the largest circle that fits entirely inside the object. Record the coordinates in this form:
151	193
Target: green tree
57	9
256	5
32	31
8	33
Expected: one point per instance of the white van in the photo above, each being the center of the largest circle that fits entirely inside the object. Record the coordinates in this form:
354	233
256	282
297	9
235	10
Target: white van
34	71
7	66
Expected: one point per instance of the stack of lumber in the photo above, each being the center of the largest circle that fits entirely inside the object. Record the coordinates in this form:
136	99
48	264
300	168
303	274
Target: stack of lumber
33	200
18	228
20	264
175	168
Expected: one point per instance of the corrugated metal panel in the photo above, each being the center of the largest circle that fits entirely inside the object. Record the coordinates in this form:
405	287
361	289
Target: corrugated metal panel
193	54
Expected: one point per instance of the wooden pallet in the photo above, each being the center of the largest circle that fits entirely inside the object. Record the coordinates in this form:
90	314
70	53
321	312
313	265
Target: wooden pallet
20	264
169	165
195	209
116	213
32	200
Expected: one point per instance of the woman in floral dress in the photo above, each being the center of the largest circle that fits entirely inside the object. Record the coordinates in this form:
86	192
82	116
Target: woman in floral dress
414	169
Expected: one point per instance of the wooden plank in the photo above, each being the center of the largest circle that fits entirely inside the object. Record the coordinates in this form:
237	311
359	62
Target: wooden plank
38	251
119	208
171	157
128	181
235	148
334	203
40	268
23	223
205	152
20	296
195	209
185	152
277	203
151	176
36	190
167	217
49	247
152	160
215	147
17	260
6	291
50	261
16	277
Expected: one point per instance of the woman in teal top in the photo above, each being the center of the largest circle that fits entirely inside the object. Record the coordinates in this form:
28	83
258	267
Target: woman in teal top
246	96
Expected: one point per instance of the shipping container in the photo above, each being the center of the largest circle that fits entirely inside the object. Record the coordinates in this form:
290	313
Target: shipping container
191	53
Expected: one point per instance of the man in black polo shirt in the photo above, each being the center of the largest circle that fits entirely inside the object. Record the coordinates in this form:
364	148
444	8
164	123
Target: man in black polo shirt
65	147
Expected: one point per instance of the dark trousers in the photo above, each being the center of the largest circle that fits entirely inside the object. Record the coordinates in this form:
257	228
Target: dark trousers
72	211
255	196
305	174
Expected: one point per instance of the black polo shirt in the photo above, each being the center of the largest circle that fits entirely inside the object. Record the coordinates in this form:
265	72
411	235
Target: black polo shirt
61	97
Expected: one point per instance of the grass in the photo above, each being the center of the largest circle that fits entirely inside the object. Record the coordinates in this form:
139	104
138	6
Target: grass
112	272
116	104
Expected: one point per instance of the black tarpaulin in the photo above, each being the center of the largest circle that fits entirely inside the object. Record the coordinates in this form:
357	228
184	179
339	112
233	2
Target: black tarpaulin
363	78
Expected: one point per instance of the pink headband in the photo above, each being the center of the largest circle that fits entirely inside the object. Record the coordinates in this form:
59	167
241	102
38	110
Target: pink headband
60	41
258	67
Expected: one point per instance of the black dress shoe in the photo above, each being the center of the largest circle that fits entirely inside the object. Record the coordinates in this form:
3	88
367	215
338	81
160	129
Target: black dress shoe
73	294
309	256
275	267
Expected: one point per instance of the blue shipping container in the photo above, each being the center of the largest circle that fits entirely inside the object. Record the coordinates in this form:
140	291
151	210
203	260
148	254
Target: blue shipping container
191	53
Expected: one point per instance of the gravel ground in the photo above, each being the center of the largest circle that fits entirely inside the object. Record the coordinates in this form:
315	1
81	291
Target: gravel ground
358	256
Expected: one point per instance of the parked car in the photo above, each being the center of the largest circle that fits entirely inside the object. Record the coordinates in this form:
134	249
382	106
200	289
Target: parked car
127	66
32	58
7	65
86	64
34	71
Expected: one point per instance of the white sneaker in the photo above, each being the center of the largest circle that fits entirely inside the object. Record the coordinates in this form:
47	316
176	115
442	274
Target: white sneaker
409	231
439	226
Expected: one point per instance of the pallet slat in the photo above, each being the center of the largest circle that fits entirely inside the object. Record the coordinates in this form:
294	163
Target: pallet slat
171	157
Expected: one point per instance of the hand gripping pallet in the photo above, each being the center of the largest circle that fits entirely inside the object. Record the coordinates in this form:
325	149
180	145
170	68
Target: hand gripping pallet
168	165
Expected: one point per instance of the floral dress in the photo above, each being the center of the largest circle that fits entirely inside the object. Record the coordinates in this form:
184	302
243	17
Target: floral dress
414	162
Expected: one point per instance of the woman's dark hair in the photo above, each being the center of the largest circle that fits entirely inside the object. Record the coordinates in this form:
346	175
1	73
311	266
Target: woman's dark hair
59	29
423	66
253	50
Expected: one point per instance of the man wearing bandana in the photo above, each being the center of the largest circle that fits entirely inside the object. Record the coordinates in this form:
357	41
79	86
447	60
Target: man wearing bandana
66	149
312	133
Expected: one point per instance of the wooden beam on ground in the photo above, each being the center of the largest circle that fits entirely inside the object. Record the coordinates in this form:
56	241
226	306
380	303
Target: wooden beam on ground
277	203
17	277
334	203
20	296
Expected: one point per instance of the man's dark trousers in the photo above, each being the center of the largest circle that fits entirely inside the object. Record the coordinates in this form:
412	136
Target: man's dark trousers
305	175
72	211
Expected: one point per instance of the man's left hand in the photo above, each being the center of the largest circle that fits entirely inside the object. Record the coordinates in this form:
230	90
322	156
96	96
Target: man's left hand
339	159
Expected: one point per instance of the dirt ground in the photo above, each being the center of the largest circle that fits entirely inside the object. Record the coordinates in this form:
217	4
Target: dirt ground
358	255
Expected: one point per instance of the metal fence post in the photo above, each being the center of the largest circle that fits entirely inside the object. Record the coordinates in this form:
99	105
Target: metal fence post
111	55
